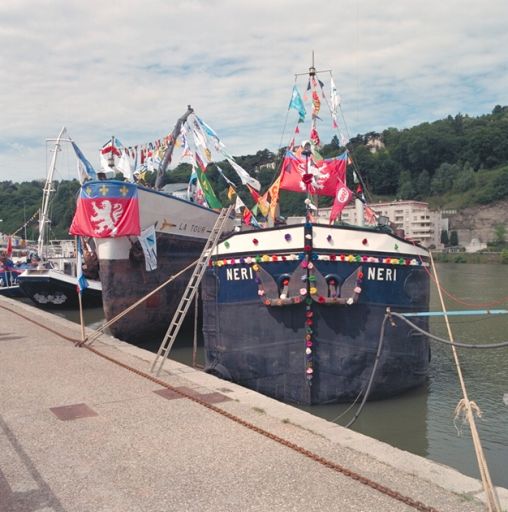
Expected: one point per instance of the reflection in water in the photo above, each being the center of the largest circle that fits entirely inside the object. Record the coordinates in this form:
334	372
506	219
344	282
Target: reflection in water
484	371
422	421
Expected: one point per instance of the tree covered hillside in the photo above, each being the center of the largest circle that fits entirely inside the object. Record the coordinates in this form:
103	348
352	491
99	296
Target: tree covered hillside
452	156
454	162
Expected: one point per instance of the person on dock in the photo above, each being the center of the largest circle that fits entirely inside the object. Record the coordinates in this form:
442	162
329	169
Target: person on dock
5	262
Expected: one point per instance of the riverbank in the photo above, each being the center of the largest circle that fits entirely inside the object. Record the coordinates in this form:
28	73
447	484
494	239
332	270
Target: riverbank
91	429
471	257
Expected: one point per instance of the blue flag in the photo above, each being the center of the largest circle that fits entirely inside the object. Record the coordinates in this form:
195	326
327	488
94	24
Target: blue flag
297	103
82	282
85	169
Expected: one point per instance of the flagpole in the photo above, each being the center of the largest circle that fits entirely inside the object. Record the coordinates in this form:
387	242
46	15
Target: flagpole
78	288
306	178
81	320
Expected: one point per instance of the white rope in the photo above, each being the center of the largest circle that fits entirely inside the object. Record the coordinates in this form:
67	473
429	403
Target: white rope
468	408
98	332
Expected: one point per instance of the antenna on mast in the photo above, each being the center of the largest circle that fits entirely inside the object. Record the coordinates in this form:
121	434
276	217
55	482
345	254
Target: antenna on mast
312	69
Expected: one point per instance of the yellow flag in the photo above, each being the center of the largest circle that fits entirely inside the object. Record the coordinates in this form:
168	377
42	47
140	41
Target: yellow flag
274	195
231	192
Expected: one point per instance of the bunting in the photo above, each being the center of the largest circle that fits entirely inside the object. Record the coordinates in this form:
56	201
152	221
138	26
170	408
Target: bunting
231	192
210	197
297	104
124	166
314	136
370	215
273	192
85	169
261	201
342	197
316	104
247	216
244	176
301	174
334	98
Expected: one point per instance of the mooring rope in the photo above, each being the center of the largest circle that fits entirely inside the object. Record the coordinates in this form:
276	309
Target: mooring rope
372	373
99	331
501	344
468	406
453	297
334	466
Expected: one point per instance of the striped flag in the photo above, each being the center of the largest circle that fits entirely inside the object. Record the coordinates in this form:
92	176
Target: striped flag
82	282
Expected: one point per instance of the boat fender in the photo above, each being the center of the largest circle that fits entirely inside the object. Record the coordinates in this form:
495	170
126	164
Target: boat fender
218	370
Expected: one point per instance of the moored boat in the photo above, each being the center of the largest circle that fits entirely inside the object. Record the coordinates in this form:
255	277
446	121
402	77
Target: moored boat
295	311
181	231
120	215
50	280
9	286
54	289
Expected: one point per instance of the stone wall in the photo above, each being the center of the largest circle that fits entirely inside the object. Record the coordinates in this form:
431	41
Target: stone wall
479	222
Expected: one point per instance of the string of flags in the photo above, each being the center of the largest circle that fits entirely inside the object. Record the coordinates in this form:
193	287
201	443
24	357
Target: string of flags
303	170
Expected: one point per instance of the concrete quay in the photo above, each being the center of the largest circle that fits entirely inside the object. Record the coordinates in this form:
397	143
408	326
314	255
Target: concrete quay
80	432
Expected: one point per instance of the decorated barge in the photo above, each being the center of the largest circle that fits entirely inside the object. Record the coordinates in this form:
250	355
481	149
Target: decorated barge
145	237
295	312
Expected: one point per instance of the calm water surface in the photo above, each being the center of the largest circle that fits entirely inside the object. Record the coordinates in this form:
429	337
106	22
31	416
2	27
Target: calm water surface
422	421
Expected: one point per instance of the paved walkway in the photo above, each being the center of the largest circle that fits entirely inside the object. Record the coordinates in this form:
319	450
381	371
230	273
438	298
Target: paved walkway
81	433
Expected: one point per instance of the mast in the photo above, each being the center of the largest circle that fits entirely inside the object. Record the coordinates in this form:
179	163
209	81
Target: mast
111	158
48	188
312	69
171	146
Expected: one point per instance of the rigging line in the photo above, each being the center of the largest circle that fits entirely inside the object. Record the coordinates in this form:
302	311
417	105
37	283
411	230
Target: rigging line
283	134
372	374
501	344
455	298
490	492
356	168
348	409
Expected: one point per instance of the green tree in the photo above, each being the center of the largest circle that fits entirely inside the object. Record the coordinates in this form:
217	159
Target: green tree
406	186
454	239
423	184
444	237
465	179
443	178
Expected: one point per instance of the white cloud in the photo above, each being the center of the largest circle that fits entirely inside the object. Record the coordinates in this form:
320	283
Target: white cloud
131	68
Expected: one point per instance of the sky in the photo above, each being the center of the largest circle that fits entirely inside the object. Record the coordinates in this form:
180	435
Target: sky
130	69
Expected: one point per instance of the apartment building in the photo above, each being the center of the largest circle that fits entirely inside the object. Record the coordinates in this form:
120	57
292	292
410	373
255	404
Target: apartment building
412	218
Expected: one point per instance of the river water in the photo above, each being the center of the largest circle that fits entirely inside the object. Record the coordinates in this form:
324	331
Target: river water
423	421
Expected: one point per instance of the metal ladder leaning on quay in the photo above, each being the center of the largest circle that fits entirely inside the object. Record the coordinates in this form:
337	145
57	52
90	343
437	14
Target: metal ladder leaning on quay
191	289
